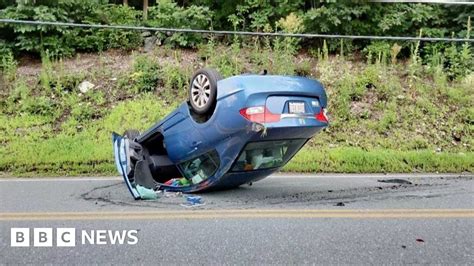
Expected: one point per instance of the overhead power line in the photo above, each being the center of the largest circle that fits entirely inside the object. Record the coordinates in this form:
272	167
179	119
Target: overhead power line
226	32
444	2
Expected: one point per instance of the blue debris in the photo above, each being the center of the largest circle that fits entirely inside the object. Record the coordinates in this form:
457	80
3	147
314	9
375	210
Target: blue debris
193	200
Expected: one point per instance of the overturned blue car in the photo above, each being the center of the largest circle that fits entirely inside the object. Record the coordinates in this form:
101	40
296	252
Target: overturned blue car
230	132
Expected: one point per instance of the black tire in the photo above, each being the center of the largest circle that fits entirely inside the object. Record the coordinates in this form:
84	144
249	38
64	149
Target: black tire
131	134
203	91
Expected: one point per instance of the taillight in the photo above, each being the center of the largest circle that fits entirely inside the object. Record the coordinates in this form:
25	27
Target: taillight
259	114
321	116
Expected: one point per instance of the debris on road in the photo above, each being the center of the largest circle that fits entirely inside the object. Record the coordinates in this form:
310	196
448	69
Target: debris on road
146	193
340	204
396	181
420	240
168	194
193	201
177	182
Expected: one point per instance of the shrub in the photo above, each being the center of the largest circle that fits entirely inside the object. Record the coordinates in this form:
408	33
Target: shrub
64	41
117	15
37	38
378	52
459	62
7	65
291	24
168	14
174	77
145	75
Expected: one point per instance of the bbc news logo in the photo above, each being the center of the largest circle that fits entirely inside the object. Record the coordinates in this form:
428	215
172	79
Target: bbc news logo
66	237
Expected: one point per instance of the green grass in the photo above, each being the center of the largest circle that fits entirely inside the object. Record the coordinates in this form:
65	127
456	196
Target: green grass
69	152
383	118
356	160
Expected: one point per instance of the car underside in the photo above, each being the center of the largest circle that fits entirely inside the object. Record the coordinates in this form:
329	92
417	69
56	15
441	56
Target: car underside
222	138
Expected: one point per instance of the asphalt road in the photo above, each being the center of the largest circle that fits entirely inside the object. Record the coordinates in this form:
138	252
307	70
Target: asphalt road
350	219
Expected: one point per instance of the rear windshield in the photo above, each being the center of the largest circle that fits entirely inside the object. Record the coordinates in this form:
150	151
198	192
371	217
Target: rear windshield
200	168
267	154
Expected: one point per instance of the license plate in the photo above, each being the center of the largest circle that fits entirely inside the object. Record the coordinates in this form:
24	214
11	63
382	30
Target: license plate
296	108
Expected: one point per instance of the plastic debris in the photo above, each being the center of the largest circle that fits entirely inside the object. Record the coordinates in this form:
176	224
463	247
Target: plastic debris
168	194
175	183
184	182
178	182
146	193
193	201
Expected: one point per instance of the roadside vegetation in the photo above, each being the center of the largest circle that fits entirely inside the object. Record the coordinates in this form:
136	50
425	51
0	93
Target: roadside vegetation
393	107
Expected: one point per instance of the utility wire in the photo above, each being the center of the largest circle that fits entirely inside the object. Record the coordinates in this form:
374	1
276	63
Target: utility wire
226	32
443	2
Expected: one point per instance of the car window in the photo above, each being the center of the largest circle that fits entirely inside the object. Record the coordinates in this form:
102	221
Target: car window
267	154
200	168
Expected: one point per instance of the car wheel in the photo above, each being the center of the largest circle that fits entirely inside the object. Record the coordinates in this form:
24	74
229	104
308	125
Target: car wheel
131	134
203	90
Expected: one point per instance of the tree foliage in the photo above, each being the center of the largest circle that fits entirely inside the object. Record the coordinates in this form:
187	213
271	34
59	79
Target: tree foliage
346	18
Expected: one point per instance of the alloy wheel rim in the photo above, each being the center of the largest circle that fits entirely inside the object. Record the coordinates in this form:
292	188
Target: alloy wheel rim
200	90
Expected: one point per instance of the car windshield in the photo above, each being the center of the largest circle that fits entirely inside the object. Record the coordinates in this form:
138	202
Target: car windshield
200	168
267	154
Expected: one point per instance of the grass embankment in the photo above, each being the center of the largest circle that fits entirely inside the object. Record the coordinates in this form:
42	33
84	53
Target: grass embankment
384	118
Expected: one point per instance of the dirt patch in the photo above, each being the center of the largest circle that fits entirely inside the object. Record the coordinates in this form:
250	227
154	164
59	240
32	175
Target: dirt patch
83	62
365	107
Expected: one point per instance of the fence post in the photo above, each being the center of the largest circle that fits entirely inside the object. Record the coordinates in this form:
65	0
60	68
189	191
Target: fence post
145	9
